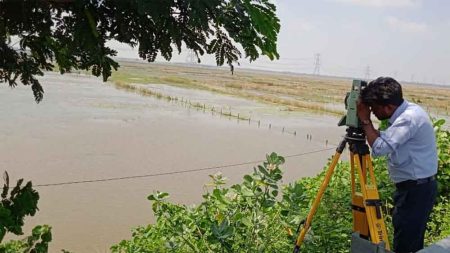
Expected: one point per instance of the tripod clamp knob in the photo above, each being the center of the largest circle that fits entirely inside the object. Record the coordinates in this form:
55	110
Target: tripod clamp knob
377	204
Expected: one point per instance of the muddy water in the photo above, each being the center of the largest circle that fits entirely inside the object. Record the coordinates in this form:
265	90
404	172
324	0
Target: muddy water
87	130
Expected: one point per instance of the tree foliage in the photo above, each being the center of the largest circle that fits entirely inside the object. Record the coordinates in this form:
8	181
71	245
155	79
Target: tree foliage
15	204
73	33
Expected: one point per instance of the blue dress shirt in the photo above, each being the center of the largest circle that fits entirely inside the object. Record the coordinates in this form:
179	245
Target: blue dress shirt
410	144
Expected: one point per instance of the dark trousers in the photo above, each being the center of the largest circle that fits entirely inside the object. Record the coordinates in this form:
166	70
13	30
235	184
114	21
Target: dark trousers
412	208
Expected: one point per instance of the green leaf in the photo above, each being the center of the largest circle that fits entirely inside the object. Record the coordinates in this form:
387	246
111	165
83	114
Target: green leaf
263	171
6	185
247	192
248	178
439	123
274	193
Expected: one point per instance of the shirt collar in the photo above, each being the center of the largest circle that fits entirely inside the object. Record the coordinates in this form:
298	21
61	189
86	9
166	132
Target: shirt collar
398	111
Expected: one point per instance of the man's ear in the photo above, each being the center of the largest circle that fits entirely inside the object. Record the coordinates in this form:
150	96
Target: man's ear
391	109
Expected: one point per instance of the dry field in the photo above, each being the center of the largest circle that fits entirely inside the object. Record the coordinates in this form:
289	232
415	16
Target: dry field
293	91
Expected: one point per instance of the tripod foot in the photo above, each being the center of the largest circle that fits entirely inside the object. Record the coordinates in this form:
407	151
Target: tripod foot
360	245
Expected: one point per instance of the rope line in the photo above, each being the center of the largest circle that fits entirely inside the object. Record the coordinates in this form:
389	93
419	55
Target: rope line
169	173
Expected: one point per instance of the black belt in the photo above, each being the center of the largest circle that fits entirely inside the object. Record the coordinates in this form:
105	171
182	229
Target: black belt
410	183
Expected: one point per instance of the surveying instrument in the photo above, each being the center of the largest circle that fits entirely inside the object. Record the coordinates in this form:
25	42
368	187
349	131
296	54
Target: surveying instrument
366	205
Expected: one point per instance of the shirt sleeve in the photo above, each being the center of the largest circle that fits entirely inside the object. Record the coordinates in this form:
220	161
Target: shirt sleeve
397	134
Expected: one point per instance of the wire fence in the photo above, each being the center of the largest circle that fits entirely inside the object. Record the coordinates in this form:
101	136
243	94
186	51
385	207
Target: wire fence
214	110
172	172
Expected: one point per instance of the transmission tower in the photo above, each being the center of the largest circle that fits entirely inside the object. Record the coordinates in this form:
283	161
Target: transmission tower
316	64
395	74
191	57
367	73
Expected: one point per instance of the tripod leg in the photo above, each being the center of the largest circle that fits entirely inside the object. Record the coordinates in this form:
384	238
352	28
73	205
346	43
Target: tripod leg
372	203
319	195
358	210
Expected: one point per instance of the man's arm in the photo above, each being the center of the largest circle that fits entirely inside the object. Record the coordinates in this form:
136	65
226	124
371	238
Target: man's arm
363	111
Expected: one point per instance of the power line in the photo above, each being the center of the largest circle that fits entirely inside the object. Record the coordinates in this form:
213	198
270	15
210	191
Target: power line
296	58
169	173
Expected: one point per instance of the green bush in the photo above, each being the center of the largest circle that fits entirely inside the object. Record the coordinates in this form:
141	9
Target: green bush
245	217
332	223
439	226
443	146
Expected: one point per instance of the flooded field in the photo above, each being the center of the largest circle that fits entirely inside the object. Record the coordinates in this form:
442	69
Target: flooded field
295	92
86	130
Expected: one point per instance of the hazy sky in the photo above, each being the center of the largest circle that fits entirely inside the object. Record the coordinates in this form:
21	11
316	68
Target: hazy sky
407	39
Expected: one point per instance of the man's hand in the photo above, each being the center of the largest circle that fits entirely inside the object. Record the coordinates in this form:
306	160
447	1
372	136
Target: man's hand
363	110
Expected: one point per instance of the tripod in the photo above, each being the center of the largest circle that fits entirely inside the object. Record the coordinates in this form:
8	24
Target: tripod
366	205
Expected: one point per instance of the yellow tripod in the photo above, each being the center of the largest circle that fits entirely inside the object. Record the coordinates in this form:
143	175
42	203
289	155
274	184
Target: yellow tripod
367	215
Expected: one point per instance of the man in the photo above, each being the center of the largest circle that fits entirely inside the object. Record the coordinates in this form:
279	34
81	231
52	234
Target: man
410	144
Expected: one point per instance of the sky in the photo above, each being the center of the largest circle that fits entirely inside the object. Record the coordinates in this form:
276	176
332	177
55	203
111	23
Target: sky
406	39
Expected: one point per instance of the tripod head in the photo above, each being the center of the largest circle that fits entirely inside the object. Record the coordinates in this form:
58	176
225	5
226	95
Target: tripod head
356	140
355	134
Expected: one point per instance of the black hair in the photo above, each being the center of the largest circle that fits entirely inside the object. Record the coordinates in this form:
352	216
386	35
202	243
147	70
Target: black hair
383	91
